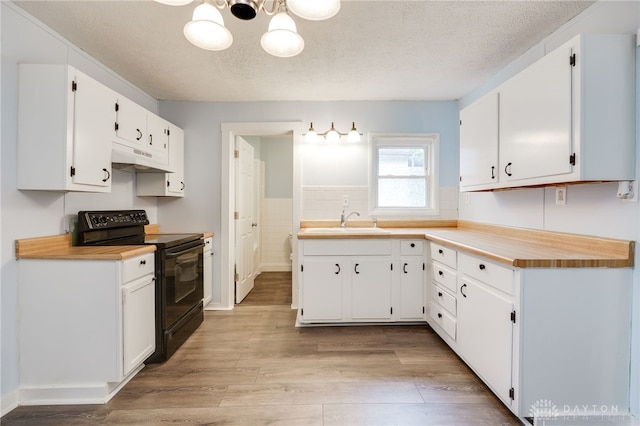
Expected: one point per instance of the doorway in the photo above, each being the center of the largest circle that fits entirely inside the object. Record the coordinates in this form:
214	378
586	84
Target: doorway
228	238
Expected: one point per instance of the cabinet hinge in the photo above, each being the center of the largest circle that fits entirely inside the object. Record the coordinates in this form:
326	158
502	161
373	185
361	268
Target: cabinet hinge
117	107
301	268
115	126
460	178
391	311
302	312
236	154
73	171
168	132
512	393
423	266
392	266
236	277
513	317
572	60
236	215
167	184
74	86
572	159
461	122
423	310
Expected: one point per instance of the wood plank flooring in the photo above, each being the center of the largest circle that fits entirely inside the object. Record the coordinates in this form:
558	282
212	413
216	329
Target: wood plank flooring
252	366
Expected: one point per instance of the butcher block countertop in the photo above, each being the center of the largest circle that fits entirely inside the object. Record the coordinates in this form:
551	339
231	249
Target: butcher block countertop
59	247
518	247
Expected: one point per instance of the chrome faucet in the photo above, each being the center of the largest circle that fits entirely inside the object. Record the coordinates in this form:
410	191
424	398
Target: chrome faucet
344	219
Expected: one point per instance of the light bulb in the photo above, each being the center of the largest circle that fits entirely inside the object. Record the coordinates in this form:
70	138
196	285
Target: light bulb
311	136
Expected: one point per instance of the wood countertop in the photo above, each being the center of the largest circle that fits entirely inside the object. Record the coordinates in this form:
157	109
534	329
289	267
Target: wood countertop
59	247
518	247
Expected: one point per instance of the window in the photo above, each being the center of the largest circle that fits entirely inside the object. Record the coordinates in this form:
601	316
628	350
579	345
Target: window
404	171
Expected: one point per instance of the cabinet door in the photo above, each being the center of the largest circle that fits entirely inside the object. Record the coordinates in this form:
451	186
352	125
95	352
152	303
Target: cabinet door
93	105
207	271
371	288
412	285
138	322
535	120
157	138
131	122
479	142
322	288
175	180
485	334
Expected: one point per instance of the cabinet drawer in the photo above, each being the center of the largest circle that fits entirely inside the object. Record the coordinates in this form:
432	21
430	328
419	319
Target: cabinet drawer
411	247
443	299
444	320
489	273
346	247
137	267
445	276
444	255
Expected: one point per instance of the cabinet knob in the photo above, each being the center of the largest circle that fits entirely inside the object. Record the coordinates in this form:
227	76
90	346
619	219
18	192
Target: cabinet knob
439	315
439	294
143	262
440	251
482	267
413	245
440	273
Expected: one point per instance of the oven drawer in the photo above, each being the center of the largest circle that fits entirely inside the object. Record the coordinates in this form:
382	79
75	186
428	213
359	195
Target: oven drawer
137	267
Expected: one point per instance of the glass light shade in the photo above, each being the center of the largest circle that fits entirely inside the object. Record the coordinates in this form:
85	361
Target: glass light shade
353	136
314	10
206	29
282	39
174	2
333	136
311	137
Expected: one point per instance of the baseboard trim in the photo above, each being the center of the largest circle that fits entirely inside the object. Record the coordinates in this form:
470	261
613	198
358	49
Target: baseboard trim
9	402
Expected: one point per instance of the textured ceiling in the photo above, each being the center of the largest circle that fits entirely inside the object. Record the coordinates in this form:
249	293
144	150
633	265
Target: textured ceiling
371	50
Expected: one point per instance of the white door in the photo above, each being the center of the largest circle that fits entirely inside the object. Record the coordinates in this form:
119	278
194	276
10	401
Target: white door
244	219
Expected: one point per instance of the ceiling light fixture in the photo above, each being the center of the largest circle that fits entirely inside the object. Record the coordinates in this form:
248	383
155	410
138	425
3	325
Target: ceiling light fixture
332	135
207	31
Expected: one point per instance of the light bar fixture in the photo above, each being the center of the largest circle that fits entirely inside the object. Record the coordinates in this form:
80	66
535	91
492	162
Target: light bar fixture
332	135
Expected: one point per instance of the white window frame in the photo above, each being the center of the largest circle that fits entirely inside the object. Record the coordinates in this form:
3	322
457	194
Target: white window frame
431	143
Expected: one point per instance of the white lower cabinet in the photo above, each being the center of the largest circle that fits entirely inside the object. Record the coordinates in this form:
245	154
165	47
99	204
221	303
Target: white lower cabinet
207	271
86	327
361	280
537	335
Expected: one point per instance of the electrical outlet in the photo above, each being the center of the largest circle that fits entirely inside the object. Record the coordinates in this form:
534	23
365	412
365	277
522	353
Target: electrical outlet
345	201
631	190
561	195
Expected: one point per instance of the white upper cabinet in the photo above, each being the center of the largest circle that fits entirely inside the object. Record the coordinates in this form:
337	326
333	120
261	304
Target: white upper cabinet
64	130
167	184
535	119
479	142
569	117
142	130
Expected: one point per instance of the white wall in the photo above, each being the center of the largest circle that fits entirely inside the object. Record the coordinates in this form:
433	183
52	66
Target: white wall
591	208
36	213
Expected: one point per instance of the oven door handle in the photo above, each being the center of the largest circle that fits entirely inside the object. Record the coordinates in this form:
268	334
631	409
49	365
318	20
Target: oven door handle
170	254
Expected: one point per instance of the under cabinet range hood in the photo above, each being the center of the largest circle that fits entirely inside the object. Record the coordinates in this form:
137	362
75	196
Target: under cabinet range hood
133	159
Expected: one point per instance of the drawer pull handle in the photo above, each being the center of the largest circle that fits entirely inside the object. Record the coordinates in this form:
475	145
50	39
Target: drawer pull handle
338	266
413	245
507	169
440	251
482	267
356	268
439	294
462	288
439	315
404	268
440	273
143	262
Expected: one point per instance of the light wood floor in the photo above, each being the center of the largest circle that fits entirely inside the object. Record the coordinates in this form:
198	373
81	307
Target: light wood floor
251	366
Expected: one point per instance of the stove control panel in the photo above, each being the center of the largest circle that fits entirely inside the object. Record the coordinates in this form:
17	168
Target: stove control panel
108	219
